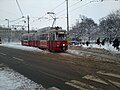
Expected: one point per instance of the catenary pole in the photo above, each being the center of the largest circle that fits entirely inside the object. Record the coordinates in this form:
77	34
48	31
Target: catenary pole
28	24
67	17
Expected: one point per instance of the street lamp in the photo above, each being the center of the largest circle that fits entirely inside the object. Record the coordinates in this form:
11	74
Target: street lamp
50	13
8	22
9	37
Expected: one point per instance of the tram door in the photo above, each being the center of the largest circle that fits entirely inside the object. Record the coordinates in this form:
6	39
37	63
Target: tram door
52	42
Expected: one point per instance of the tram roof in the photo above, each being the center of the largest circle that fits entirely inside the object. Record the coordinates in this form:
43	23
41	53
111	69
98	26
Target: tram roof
47	29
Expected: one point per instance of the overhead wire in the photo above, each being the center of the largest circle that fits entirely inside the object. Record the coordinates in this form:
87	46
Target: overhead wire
80	6
19	7
16	19
51	10
65	9
43	17
74	4
84	5
58	5
69	7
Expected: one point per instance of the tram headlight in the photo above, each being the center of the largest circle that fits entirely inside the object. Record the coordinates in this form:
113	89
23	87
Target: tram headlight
63	44
57	45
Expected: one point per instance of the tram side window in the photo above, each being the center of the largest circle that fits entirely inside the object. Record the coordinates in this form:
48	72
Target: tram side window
30	38
52	36
33	37
25	38
37	37
42	37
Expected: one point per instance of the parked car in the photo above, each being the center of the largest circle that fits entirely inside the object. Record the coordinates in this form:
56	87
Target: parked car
73	42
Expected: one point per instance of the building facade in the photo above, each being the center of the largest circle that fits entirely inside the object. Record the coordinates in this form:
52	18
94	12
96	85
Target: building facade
8	35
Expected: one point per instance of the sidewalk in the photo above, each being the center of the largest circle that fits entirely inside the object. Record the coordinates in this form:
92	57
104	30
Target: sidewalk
11	80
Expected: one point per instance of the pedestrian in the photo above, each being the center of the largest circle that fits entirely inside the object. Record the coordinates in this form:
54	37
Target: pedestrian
116	44
110	42
103	42
98	41
87	43
0	41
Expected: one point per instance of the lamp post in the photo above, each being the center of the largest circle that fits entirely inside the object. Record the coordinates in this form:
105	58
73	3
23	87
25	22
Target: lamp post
8	22
10	32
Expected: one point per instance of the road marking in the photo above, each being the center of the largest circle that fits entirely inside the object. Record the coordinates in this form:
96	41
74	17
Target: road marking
3	54
115	83
108	74
81	85
53	88
93	78
18	59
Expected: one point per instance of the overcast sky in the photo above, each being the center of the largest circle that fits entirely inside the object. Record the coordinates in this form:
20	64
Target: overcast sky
38	8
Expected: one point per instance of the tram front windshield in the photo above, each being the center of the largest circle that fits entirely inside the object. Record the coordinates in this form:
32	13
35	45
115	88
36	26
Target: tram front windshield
61	35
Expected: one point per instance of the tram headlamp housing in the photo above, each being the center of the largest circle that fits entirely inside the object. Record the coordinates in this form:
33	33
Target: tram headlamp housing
63	44
57	45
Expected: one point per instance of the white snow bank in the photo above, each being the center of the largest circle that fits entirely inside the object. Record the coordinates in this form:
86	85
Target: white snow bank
19	46
107	46
11	80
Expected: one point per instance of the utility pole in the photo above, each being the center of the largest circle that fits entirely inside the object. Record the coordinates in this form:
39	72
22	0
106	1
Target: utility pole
28	24
10	32
67	18
8	22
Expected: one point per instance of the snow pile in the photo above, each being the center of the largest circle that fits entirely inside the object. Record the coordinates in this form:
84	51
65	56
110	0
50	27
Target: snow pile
19	46
108	47
11	80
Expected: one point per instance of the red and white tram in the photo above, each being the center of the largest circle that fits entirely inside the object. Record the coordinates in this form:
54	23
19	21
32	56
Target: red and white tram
51	38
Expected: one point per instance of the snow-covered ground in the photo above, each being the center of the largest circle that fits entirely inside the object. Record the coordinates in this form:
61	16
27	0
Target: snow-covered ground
11	80
18	45
107	46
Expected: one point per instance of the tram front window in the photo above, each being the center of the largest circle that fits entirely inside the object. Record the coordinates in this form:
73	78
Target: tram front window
61	37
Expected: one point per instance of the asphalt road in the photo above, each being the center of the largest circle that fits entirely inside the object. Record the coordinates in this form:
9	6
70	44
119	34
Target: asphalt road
52	71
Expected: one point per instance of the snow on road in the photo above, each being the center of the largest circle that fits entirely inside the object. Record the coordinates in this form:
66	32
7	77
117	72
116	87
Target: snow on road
11	80
19	46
